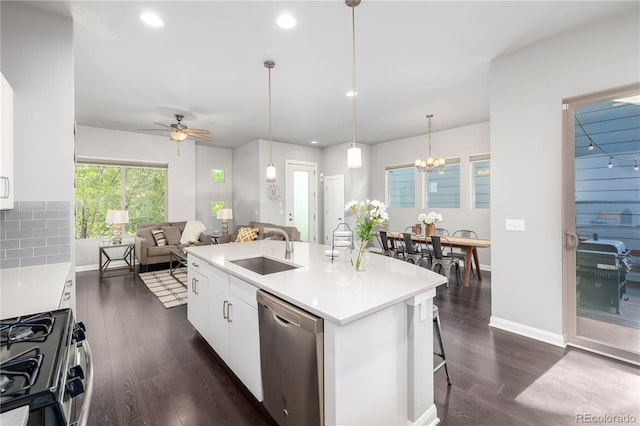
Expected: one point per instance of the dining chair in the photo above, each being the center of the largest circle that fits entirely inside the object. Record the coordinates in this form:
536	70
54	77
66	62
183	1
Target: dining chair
442	232
413	250
438	332
465	233
442	260
386	249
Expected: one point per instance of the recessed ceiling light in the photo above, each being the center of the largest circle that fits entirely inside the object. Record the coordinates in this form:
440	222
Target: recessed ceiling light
286	21
314	142
350	93
152	19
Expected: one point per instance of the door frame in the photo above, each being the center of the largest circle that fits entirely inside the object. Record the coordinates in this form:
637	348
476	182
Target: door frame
570	238
313	208
328	230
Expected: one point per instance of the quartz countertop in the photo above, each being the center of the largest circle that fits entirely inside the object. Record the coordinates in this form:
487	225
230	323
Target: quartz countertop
333	291
32	289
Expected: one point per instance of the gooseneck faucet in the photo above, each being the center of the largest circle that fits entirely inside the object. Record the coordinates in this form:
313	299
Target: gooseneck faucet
287	243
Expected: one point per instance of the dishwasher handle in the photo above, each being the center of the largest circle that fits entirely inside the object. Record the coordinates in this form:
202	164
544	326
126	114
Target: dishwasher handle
284	311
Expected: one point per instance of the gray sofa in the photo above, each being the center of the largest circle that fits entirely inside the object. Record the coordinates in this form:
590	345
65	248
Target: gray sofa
292	232
149	253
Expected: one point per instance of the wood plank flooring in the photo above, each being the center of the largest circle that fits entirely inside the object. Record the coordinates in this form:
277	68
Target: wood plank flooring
152	368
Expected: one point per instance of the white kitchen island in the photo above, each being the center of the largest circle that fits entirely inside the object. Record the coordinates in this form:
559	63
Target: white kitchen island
378	326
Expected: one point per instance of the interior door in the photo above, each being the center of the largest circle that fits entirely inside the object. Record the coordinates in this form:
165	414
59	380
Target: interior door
301	198
602	210
333	205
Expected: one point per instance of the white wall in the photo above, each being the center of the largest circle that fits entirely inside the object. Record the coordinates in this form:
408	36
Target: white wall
208	158
246	193
461	142
526	93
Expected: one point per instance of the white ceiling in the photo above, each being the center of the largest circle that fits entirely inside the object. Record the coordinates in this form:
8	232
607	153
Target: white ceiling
412	58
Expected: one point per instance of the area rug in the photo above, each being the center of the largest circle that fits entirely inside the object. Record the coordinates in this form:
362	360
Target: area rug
167	289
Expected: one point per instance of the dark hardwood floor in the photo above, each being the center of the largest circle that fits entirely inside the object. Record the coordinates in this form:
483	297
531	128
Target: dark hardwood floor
152	368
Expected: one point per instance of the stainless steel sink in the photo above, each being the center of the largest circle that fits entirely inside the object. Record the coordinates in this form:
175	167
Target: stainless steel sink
263	265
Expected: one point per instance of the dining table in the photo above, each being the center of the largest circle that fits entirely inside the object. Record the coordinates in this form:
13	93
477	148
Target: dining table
469	245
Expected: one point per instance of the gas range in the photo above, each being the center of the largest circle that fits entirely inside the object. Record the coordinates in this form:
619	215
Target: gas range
46	365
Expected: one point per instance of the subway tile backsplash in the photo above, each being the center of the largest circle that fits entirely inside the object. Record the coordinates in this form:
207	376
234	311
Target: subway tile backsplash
35	233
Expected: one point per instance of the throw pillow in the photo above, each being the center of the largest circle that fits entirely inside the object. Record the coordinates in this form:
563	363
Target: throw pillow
172	234
247	234
158	235
147	235
192	231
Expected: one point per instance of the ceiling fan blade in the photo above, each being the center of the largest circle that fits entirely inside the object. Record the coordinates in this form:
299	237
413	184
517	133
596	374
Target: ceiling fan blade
198	136
153	130
163	125
200	131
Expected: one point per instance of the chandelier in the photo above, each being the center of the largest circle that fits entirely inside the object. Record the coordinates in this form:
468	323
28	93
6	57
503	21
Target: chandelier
430	164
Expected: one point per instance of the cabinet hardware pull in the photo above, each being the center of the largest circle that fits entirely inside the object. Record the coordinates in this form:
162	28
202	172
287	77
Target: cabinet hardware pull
229	304
67	296
69	283
224	310
197	281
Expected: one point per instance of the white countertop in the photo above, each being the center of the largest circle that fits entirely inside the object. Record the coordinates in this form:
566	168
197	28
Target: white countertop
333	291
15	417
32	289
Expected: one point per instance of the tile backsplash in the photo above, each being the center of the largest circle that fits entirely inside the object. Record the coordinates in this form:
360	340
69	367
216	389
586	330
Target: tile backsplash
35	233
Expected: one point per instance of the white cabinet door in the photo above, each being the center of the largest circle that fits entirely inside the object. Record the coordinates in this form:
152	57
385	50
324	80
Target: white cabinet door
219	282
6	145
198	301
244	344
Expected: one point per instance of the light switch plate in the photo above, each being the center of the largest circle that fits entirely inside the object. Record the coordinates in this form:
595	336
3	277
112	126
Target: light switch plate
515	225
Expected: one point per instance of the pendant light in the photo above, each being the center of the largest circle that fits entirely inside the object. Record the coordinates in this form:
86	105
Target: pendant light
354	154
271	169
430	164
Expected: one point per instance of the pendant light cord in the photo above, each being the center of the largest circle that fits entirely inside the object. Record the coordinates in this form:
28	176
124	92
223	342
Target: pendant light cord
353	73
270	160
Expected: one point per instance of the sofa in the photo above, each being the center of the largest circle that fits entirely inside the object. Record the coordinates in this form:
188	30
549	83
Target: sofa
263	232
148	252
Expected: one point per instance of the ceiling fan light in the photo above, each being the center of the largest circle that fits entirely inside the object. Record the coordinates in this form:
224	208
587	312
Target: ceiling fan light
354	157
178	136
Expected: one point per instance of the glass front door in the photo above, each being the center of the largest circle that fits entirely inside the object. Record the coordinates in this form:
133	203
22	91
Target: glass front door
602	223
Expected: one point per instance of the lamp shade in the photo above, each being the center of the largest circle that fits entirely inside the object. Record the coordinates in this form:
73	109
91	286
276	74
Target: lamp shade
117	216
225	214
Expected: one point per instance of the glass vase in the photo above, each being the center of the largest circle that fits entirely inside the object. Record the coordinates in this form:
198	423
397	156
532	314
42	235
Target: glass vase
360	257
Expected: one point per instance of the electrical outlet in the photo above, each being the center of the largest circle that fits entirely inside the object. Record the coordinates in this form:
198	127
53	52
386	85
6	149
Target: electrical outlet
515	225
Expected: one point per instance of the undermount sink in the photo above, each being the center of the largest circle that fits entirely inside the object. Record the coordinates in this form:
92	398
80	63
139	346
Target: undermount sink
263	265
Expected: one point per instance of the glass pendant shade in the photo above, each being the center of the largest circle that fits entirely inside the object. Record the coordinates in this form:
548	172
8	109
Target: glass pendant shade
178	136
271	173
354	157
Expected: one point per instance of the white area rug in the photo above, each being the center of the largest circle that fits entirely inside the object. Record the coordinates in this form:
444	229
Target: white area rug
169	292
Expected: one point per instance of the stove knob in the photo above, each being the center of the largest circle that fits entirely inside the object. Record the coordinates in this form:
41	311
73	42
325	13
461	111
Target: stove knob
75	387
79	332
76	371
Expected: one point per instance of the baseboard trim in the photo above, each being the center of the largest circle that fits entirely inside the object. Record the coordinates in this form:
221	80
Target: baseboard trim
428	418
527	331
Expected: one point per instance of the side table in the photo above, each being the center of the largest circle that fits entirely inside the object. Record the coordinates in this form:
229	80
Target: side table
109	252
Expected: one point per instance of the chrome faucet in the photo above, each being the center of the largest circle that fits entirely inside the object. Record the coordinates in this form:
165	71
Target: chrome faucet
288	245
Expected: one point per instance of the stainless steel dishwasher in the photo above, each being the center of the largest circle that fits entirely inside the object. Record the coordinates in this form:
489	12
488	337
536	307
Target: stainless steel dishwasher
292	361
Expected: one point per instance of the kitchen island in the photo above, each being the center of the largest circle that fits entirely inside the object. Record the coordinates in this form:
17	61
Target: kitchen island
378	366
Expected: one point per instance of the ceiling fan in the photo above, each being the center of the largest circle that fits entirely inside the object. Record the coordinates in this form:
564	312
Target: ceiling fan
179	132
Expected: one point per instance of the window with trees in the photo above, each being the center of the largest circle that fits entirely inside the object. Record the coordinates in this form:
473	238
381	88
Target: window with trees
481	181
138	188
443	188
401	186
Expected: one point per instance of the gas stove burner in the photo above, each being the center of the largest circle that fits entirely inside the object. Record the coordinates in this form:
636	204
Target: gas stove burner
19	373
32	328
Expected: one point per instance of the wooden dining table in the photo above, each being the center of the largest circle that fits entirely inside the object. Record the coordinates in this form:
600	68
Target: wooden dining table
469	245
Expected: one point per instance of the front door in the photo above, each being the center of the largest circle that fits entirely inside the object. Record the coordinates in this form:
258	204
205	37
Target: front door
301	208
602	217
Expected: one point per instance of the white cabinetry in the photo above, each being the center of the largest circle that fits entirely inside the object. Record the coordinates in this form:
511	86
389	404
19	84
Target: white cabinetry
68	299
6	145
224	310
198	297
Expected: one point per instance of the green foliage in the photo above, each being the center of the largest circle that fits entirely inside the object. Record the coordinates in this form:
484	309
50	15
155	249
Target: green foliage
217	176
98	189
215	206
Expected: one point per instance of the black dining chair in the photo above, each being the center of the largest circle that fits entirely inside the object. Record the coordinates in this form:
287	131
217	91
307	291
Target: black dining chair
413	250
444	261
386	249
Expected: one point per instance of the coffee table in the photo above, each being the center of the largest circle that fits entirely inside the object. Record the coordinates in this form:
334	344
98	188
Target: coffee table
178	256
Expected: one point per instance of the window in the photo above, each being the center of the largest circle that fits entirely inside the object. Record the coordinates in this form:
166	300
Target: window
141	190
443	188
481	181
401	186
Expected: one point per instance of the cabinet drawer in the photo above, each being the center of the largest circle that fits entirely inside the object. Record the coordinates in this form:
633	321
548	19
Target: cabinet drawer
244	291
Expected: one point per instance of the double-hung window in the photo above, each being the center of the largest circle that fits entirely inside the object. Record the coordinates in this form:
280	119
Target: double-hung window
443	188
481	181
401	186
139	188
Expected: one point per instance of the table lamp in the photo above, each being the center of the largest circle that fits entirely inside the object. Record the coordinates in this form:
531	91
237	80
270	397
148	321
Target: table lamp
225	215
117	218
